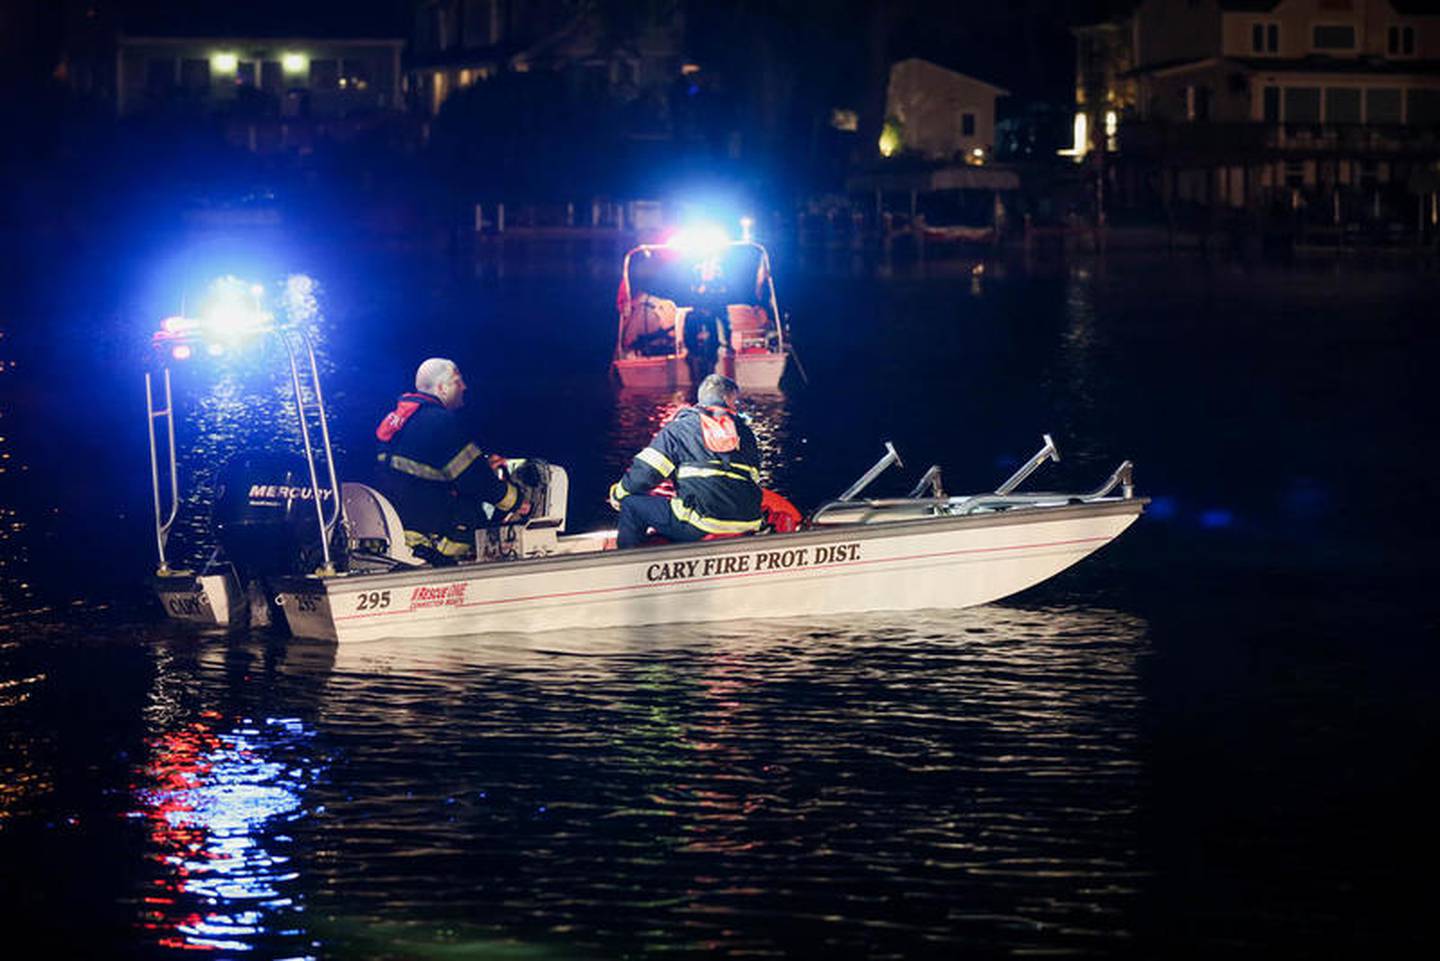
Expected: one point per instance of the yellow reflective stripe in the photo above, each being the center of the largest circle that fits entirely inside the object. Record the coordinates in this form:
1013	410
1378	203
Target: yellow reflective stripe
688	471
443	545
416	469
656	460
449	472
710	525
618	491
454	548
754	472
508	501
460	461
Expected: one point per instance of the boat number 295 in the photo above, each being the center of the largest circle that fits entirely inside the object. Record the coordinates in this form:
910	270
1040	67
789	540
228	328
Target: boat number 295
373	600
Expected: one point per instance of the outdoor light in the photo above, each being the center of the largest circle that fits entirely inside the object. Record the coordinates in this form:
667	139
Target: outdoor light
747	229
1112	122
232	309
180	352
225	62
889	140
1082	136
698	241
295	62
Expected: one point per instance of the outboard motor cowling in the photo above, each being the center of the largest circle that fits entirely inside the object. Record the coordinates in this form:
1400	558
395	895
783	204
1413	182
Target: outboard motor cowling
264	515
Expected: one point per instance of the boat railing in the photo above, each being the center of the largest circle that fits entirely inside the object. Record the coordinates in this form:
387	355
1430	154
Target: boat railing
863	510
164	519
309	405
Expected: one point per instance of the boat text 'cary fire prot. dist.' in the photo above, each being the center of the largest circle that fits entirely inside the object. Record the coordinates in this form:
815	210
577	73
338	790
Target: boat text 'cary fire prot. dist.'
756	562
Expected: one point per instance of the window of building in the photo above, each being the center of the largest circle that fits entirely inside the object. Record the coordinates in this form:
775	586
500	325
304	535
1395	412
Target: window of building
354	74
1271	107
1382	105
1333	36
1422	107
1265	37
1302	104
967	125
1401	42
479	23
159	73
195	75
1342	104
1197	103
246	74
272	76
324	74
1294	173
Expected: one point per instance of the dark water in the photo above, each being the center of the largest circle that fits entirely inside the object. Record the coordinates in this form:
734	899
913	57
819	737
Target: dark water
1211	738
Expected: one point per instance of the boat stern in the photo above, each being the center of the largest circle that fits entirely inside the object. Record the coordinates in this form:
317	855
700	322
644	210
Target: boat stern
212	600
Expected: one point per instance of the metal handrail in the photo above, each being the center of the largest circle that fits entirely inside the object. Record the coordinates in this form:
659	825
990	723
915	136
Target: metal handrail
338	508
891	456
1029	467
327	528
162	527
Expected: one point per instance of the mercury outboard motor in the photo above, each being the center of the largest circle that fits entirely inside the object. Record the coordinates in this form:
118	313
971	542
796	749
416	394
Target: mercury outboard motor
264	515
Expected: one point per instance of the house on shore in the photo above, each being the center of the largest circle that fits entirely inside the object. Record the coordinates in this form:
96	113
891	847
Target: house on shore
1326	108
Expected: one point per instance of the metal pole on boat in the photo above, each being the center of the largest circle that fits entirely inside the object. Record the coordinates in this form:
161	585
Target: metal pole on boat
891	457
327	568
338	505
1028	468
162	527
775	317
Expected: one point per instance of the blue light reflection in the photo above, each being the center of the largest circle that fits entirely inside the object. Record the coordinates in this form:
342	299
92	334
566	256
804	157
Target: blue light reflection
211	800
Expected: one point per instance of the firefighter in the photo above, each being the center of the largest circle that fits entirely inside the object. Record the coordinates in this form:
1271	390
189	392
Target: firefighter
435	476
714	461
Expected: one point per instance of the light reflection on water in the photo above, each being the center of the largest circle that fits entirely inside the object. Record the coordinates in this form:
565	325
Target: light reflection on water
638	415
218	795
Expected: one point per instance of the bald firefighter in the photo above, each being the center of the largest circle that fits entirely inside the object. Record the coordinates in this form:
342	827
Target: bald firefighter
434	474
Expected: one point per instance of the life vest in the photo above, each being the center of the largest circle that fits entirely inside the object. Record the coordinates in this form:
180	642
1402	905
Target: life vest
782	516
717	430
392	422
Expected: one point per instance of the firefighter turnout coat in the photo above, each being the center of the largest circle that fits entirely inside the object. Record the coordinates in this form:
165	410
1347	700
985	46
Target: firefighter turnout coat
433	473
713	458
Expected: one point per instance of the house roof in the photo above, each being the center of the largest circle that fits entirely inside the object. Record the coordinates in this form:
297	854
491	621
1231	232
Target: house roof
264	18
936	70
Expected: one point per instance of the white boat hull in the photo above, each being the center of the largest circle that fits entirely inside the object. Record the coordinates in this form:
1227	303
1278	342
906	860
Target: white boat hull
753	372
942	562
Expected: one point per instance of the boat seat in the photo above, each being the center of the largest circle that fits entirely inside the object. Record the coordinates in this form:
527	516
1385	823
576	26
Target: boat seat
373	525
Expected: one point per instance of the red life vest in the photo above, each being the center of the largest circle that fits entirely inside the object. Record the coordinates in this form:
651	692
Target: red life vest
391	423
717	430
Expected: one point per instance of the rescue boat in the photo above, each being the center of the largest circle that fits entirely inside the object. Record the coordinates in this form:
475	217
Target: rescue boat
338	568
665	288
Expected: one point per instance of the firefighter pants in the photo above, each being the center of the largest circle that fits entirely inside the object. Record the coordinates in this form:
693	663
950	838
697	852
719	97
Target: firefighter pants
640	512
